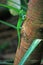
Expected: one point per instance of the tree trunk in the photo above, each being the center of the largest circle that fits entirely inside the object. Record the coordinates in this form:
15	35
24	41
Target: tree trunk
31	29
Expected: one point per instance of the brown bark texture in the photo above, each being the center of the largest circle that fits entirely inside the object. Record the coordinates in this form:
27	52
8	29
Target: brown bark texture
31	29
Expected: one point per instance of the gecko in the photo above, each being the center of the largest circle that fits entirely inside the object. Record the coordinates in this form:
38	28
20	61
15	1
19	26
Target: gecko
20	21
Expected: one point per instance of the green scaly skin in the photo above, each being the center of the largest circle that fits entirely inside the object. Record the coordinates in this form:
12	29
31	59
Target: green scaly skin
20	21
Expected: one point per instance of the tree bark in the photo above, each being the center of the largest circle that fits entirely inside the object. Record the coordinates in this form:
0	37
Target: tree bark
31	29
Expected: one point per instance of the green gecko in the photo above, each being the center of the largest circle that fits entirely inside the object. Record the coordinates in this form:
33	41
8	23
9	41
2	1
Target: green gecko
20	21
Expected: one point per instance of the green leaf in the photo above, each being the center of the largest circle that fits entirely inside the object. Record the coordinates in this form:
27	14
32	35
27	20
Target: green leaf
10	7
34	44
8	24
18	4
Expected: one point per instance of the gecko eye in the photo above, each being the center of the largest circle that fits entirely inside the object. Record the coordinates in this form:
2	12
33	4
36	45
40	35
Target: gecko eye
23	17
